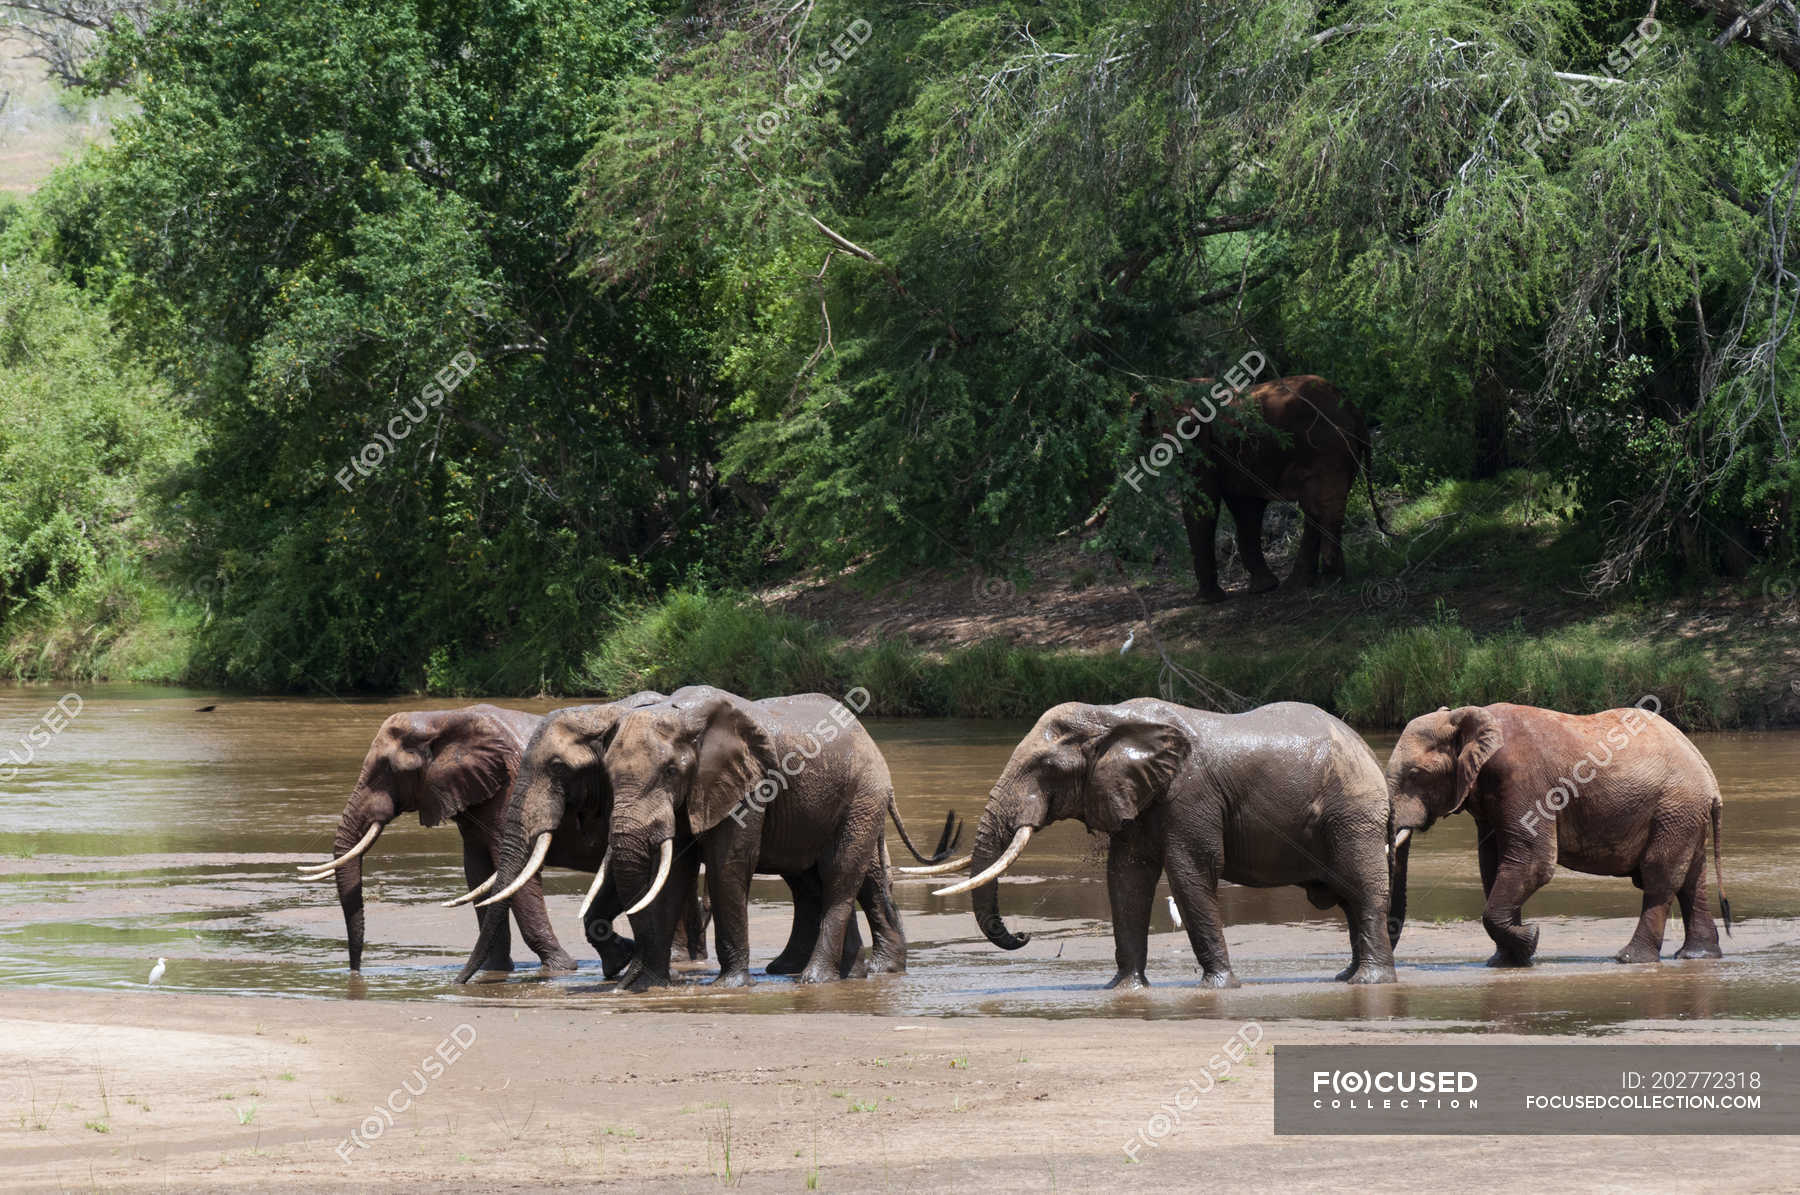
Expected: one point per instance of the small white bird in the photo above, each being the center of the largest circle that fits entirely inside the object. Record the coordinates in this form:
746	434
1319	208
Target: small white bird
156	972
1174	912
1130	638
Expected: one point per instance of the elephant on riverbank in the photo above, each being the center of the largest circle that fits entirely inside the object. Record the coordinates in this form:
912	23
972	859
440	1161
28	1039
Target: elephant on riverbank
1295	439
1619	793
1283	794
566	784
450	765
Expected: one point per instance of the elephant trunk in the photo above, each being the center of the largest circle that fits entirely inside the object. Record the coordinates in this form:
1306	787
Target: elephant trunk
1397	888
368	807
992	837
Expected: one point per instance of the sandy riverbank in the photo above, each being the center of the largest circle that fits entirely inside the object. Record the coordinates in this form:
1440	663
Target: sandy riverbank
196	1091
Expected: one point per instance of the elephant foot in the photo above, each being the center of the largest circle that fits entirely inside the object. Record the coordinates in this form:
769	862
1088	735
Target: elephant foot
1505	958
1212	596
615	956
556	963
880	965
641	980
732	979
1264	583
1515	944
785	964
1638	952
503	966
1699	950
1219	979
1125	982
1368	973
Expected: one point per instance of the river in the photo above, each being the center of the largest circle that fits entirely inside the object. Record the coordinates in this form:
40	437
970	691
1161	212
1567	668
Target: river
145	828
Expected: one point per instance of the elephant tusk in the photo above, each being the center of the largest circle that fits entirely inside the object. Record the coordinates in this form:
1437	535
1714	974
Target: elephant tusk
1400	839
313	871
1005	861
478	890
662	877
531	868
593	891
936	869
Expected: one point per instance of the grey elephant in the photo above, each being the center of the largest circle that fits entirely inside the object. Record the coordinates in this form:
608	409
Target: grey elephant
1619	793
777	786
567	784
1283	794
456	766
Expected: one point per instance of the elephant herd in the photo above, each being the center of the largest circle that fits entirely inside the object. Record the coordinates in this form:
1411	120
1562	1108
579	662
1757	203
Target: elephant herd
669	799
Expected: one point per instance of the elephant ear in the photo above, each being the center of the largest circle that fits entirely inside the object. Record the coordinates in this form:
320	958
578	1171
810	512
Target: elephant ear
733	755
1135	761
473	759
1477	738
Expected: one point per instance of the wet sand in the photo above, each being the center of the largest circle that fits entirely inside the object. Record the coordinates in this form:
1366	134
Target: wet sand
207	1091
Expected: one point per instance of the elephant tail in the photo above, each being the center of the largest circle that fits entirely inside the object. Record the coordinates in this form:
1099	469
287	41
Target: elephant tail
953	828
1366	455
1718	810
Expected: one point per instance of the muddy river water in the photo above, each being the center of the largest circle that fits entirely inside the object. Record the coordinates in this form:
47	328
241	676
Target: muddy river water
144	828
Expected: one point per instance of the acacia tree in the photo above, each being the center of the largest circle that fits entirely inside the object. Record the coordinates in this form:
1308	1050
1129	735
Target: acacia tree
1563	219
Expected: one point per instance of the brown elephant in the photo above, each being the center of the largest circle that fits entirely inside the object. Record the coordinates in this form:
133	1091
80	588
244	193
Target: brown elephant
454	765
1304	442
1620	793
1283	794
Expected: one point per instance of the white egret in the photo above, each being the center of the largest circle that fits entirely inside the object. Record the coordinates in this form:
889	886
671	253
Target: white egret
1174	912
1130	638
156	972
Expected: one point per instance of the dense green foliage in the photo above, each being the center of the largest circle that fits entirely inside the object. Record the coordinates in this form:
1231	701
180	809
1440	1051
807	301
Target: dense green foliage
86	435
741	289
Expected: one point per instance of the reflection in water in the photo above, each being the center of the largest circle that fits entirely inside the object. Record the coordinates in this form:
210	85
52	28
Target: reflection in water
146	828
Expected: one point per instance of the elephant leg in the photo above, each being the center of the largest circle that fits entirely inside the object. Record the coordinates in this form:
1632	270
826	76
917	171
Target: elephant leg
853	852
1363	864
1658	879
690	930
1306	560
729	868
616	951
837	913
1134	861
478	865
1196	891
655	927
1247	515
1202	531
1371	955
808	894
1514	882
1332	502
1701	933
887	953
